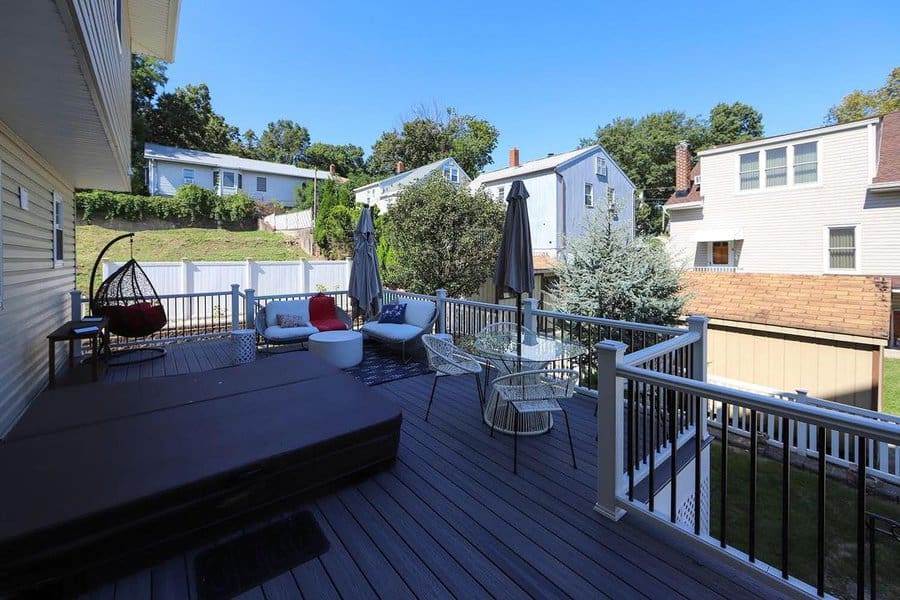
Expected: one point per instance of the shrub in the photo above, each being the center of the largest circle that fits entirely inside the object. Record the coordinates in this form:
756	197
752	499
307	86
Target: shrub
196	202
233	208
190	202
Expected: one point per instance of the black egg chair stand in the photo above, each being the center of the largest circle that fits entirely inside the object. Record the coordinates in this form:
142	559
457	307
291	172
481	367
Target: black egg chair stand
128	299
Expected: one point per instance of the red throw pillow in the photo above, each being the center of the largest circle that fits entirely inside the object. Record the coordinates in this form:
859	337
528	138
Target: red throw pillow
323	315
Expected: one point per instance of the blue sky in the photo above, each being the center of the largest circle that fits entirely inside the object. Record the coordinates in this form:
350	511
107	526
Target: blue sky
544	73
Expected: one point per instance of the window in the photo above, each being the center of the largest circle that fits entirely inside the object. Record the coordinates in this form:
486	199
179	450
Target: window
720	253
228	179
262	183
187	176
750	171
842	248
601	166
451	174
501	193
806	163
589	194
58	224
776	167
611	203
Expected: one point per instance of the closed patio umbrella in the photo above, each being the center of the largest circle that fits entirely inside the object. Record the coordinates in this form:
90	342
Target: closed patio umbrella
365	280
515	266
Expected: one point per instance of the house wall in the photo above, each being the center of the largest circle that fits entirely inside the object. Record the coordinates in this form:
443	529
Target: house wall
542	208
827	367
584	171
784	228
168	176
35	297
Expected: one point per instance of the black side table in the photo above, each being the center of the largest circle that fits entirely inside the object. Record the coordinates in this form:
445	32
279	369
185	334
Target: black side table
67	333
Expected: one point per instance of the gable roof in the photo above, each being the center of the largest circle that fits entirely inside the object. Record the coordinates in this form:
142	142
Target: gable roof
533	166
692	194
889	151
154	26
228	161
393	183
844	304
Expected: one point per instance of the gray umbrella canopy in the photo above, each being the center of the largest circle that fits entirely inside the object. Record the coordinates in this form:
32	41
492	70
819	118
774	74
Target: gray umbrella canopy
365	280
515	266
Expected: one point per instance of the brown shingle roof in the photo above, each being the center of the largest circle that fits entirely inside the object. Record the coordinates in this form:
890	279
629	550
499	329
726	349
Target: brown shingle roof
690	195
889	152
847	304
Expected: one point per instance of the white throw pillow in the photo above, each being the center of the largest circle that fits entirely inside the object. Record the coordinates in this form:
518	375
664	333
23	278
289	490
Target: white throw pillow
419	312
286	307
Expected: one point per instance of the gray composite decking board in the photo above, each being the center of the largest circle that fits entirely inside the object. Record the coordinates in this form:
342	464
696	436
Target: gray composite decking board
282	587
558	490
443	499
136	586
169	580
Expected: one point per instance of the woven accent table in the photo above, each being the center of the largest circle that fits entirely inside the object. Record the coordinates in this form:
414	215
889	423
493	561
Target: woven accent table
243	346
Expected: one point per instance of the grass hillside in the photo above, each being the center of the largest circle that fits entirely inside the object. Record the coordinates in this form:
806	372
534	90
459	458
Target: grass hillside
175	244
891	392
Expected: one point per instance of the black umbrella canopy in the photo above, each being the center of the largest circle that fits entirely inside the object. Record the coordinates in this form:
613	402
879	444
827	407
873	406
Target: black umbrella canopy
365	280
515	266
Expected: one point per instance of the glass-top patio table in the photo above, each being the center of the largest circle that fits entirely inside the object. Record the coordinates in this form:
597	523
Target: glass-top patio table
498	349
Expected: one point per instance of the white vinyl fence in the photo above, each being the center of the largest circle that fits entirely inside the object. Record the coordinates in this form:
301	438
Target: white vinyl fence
292	221
266	277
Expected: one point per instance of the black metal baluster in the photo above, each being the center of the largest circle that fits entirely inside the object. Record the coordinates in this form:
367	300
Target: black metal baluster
673	458
723	500
629	451
872	566
652	475
861	449
785	494
820	512
754	442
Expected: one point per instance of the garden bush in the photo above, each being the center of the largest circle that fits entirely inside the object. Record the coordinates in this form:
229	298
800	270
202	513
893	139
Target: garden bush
191	202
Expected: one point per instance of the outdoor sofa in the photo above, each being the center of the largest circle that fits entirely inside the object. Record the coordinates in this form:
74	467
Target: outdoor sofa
268	328
418	320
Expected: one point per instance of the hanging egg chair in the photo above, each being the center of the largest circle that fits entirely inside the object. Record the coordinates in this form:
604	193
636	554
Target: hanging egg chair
128	299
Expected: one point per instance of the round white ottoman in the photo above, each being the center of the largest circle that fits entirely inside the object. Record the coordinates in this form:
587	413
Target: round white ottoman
343	349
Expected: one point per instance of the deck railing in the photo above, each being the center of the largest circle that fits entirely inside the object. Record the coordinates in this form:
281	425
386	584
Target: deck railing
652	397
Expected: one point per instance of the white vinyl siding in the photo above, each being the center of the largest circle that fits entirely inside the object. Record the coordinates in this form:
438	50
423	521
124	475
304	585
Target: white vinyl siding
35	294
776	167
261	184
842	248
806	162
749	174
588	195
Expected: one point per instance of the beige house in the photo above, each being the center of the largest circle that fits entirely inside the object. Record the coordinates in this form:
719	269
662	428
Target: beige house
65	123
816	211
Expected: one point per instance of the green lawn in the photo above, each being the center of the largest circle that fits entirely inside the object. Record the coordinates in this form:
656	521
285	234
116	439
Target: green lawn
840	505
891	390
175	244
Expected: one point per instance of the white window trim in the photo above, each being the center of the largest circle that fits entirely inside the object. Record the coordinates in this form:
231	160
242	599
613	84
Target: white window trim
598	162
222	180
709	254
589	195
759	172
791	184
501	193
59	224
765	170
265	181
857	246
793	164
188	179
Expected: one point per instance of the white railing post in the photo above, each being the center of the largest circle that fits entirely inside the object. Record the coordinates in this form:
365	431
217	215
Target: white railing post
235	306
441	302
250	308
610	429
529	319
249	268
76	316
700	325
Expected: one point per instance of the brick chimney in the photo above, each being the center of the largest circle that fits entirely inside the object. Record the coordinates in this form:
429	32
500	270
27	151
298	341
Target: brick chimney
514	157
331	169
400	166
682	167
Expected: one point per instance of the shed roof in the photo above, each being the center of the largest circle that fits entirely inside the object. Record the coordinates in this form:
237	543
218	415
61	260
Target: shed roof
228	161
846	304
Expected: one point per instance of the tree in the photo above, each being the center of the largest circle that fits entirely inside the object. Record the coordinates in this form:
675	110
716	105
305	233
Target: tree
441	235
734	122
331	233
147	76
609	275
874	103
186	119
346	158
429	137
283	141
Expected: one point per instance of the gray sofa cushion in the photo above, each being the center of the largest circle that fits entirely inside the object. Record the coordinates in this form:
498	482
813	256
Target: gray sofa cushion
280	334
419	312
289	307
391	332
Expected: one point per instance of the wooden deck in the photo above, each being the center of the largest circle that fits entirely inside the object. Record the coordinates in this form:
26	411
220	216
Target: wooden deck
451	519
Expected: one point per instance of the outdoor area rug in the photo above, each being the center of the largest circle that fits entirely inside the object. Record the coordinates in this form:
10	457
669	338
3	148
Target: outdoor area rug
235	566
381	365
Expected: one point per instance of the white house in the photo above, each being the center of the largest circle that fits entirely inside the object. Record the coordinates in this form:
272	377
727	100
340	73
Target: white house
169	168
563	190
384	193
65	123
